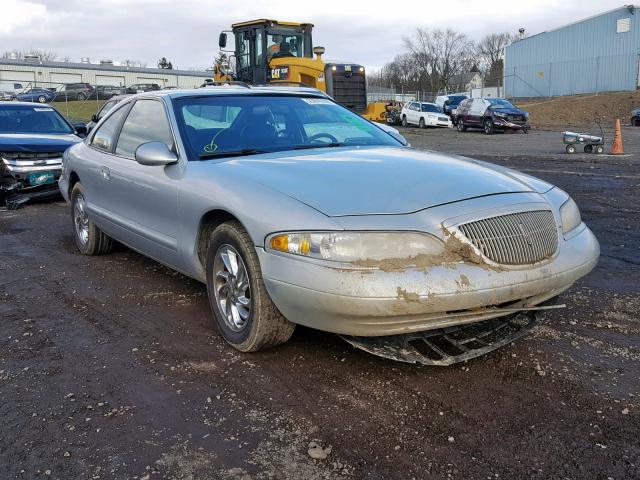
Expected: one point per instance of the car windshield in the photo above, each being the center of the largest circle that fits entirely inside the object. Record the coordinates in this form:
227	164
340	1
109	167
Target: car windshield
430	107
500	103
27	119
246	124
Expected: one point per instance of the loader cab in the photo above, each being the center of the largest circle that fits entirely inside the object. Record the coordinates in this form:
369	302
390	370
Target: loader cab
259	41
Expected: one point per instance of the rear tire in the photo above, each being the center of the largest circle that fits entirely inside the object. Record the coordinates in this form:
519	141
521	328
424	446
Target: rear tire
404	121
635	121
42	99
489	127
243	311
421	123
89	239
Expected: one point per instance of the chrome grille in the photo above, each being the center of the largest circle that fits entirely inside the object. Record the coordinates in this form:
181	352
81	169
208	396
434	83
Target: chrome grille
515	239
30	155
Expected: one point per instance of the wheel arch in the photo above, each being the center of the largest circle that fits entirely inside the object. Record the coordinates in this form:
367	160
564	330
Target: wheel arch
73	179
209	221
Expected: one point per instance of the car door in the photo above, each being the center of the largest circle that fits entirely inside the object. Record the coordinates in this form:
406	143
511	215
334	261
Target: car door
478	107
102	144
141	199
412	113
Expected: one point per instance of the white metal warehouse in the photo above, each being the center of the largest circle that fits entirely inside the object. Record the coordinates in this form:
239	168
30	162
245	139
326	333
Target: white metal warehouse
32	73
596	54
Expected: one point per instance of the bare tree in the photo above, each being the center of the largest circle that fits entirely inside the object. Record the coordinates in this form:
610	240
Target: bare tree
491	55
134	63
439	55
44	55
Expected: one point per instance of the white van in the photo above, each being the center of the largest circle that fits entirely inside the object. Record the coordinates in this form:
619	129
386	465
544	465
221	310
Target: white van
12	87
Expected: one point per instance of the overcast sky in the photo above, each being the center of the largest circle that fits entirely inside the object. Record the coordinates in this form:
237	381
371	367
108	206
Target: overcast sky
186	31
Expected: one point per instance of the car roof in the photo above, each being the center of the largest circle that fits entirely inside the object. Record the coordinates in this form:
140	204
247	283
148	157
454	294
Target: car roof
26	104
213	90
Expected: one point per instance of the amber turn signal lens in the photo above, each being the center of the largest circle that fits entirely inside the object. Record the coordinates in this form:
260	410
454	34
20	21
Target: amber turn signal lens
280	242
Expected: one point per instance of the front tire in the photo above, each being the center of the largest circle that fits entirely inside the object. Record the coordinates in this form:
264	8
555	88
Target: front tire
460	125
635	121
244	313
421	123
404	121
89	239
489	127
571	149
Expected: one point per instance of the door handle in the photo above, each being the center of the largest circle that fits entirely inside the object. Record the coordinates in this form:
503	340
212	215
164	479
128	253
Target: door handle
106	173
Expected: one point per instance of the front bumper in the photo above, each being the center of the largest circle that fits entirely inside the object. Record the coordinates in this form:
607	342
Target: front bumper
373	302
503	123
23	169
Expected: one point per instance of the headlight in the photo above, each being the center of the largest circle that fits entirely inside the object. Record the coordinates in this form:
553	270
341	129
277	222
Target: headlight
353	246
569	215
500	114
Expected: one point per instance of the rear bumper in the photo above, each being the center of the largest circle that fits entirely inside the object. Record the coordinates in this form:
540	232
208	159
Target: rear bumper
361	302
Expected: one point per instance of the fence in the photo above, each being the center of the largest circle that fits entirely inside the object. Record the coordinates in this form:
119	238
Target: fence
381	94
588	75
76	104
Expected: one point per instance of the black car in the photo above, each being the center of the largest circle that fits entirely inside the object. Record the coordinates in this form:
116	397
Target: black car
33	138
74	91
105	92
143	87
490	115
106	108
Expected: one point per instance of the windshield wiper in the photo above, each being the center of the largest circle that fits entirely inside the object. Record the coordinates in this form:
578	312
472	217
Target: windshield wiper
232	153
323	145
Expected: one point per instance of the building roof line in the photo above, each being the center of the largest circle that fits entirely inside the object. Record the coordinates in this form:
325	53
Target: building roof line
624	7
106	68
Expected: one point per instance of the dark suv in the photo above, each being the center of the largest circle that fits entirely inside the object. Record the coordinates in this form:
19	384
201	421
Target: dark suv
74	91
491	114
142	87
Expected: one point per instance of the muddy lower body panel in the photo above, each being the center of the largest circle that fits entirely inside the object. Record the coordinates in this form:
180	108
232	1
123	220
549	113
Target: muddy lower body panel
448	346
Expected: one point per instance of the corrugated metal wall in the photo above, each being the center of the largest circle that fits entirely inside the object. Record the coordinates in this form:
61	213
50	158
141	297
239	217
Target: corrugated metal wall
584	57
47	76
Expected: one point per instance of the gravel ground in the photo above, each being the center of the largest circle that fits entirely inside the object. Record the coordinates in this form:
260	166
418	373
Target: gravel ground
110	367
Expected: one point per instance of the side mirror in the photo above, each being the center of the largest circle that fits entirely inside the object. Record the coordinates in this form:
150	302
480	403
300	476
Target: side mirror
81	130
95	118
222	40
155	154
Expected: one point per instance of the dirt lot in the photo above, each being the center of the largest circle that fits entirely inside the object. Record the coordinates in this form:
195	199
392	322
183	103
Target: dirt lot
110	368
581	110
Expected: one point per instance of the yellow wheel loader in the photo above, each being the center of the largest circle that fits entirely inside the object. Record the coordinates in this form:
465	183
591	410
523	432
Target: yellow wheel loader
269	51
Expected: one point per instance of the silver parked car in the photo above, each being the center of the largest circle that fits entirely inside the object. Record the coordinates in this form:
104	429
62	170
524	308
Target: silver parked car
294	210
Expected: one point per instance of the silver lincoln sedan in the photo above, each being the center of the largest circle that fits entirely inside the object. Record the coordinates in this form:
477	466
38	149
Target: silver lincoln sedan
294	210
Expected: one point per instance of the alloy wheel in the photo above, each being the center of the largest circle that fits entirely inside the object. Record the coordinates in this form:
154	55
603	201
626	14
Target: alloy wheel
231	287
81	219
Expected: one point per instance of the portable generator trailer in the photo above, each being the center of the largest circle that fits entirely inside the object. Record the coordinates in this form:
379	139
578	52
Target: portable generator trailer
271	51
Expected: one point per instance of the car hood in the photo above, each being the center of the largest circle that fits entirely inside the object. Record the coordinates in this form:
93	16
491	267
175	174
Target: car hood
380	180
18	142
510	111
